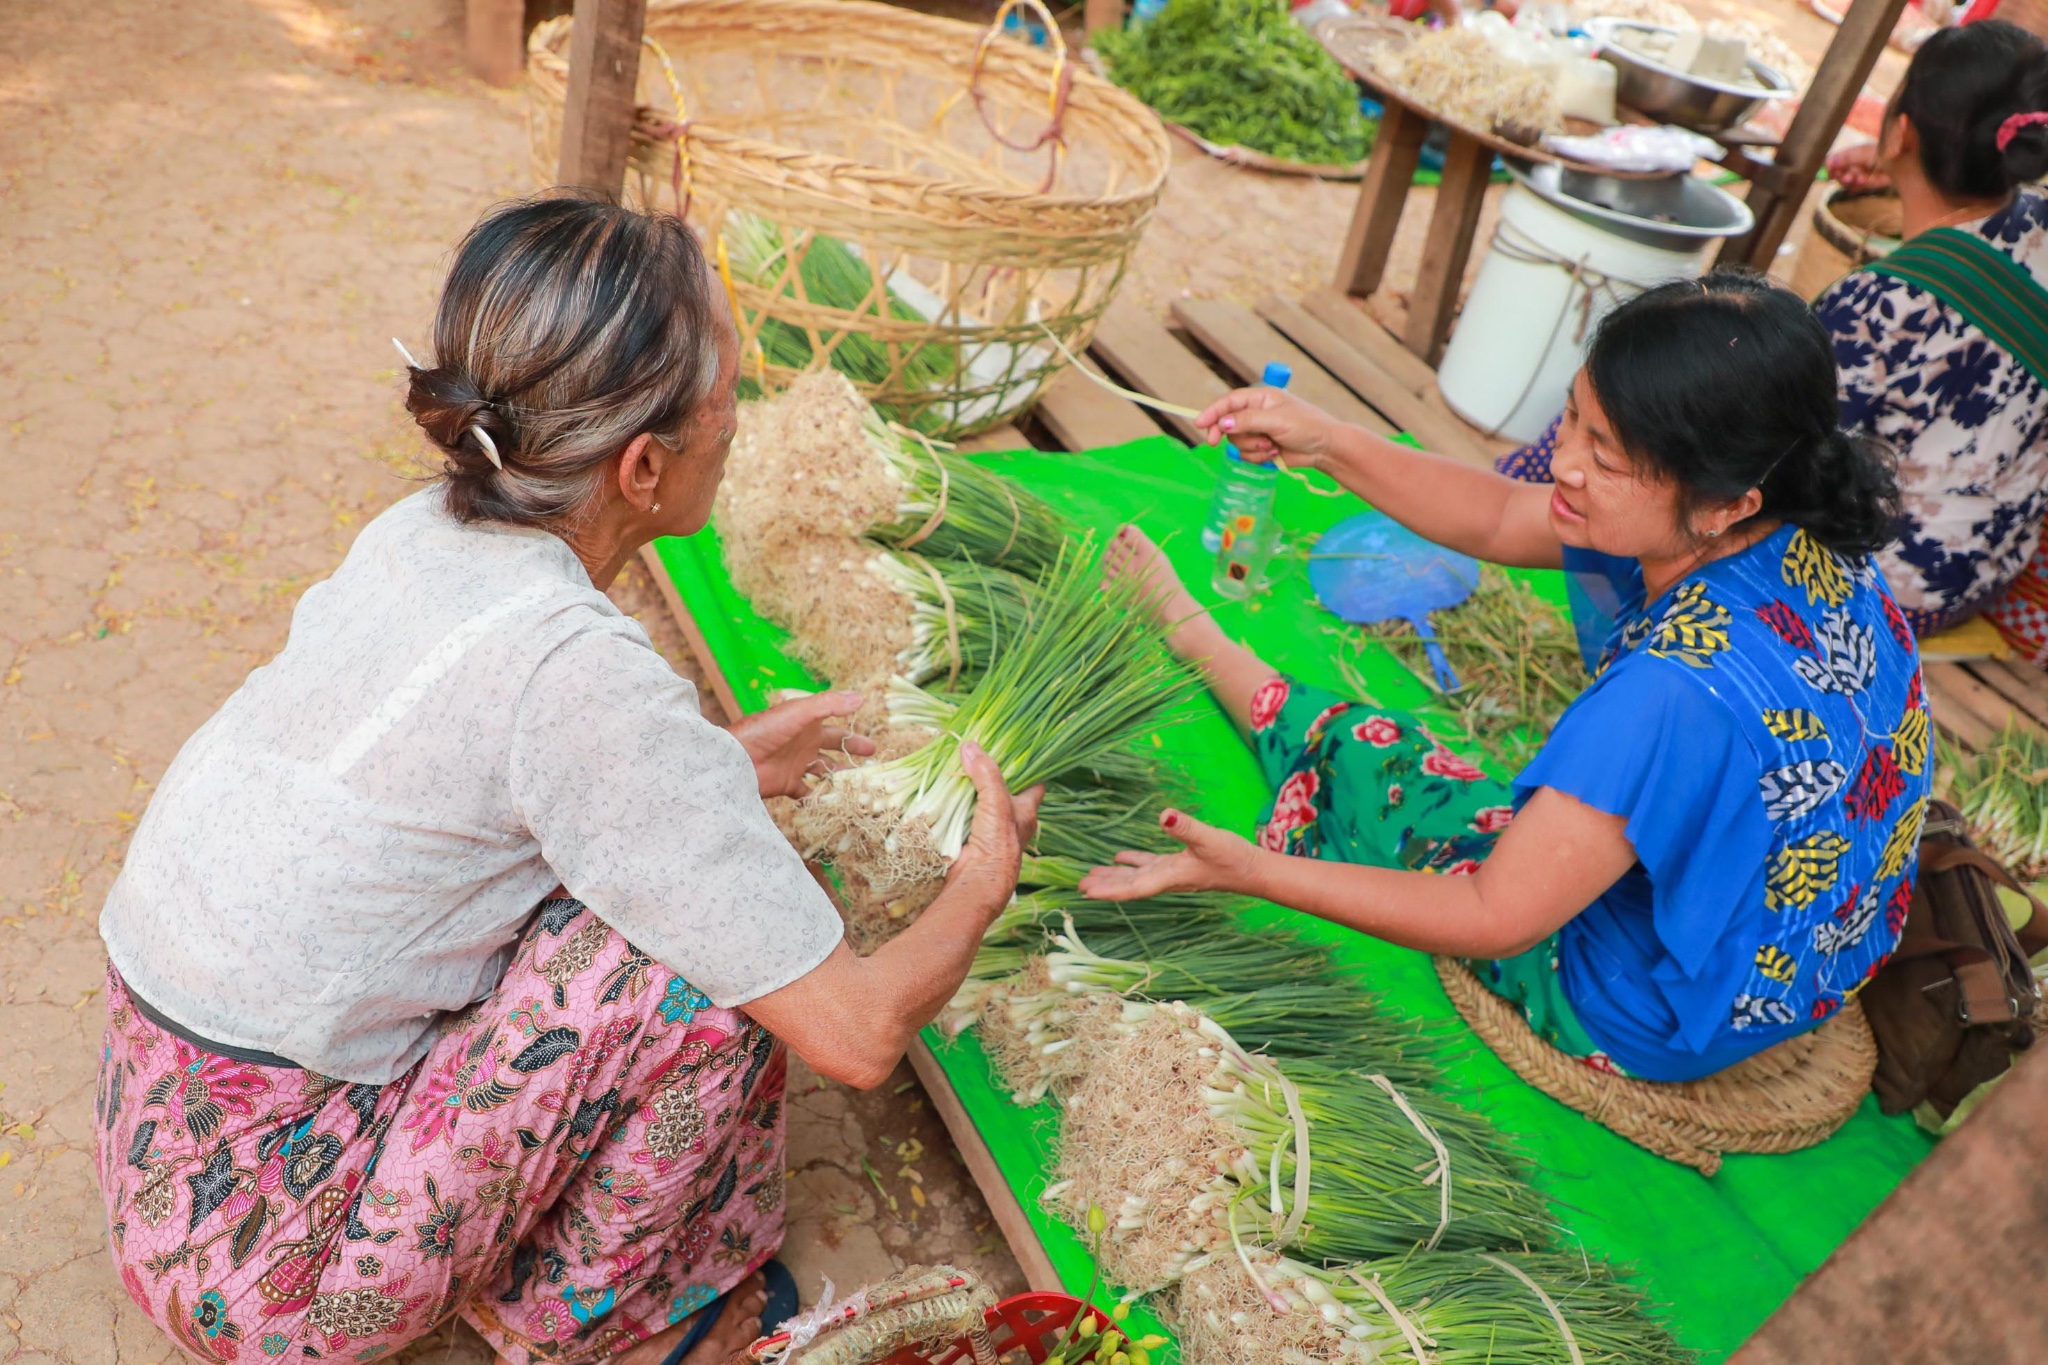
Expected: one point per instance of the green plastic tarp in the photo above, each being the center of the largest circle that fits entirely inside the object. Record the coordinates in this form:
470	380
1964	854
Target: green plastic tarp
1717	1254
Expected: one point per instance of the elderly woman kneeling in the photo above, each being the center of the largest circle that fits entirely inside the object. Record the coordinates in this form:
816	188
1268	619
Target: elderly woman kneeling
452	964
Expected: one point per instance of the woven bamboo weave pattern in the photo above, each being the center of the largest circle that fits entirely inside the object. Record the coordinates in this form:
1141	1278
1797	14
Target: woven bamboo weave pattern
927	1310
1786	1098
819	126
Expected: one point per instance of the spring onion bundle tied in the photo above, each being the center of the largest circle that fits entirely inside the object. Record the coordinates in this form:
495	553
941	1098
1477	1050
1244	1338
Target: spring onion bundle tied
1428	1308
1089	674
952	508
2002	792
1237	1150
961	613
830	275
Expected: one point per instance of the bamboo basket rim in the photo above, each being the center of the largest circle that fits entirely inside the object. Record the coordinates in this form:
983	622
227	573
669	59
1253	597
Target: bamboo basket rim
927	43
1786	1098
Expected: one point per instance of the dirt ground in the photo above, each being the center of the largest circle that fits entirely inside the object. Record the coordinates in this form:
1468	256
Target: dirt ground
217	213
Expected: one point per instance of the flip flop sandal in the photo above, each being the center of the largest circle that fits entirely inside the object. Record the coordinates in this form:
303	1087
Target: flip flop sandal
781	1305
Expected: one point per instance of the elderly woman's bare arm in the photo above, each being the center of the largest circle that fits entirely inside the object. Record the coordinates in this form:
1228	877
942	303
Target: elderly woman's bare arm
851	1018
1552	862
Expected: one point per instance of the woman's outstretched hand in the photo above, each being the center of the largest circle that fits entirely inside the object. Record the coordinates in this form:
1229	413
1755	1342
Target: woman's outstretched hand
1264	423
799	737
1212	860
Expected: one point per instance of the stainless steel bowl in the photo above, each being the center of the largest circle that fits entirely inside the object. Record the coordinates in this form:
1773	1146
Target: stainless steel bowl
1671	96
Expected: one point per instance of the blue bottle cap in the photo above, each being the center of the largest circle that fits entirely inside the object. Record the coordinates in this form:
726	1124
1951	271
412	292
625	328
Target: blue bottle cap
1230	453
1277	375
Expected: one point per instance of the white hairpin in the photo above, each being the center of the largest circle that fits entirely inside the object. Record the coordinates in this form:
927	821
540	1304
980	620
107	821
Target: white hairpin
483	438
407	354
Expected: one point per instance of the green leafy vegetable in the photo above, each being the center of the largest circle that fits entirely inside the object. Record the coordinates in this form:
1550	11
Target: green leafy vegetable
1243	73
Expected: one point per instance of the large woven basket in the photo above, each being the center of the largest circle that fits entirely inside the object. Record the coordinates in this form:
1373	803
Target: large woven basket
1786	1098
920	143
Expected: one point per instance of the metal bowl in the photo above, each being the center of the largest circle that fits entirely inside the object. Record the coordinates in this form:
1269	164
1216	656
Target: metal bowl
1672	96
1688	210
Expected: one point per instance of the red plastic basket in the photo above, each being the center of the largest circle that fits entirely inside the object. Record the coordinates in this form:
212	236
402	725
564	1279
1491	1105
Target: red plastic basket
1031	1323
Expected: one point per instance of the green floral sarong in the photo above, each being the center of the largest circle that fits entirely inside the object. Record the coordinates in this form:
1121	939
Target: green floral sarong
1359	784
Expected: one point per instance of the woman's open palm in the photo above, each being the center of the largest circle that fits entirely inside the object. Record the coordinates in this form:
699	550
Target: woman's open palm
1211	860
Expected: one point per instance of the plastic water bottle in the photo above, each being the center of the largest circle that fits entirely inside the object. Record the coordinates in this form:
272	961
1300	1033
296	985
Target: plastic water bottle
1146	9
1243	489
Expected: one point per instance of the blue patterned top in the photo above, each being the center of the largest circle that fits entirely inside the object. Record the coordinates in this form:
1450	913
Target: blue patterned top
1761	727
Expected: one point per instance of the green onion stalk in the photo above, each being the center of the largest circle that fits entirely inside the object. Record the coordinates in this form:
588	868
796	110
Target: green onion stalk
961	614
1465	1308
1428	1308
952	508
2002	792
1390	1168
1089	820
1089	674
831	275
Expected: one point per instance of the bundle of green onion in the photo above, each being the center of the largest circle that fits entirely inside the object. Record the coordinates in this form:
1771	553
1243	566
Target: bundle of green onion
952	508
1427	1308
830	274
961	613
2002	792
1089	674
1239	1150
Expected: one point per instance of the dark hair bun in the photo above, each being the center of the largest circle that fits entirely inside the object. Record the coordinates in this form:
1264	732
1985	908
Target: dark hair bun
451	409
2026	155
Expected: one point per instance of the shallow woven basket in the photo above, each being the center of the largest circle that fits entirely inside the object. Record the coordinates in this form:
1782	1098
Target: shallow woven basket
1785	1098
878	126
917	1308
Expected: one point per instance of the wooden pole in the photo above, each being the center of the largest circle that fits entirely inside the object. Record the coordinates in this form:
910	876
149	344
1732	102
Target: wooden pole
495	35
1381	198
1776	199
1100	14
597	120
1953	1266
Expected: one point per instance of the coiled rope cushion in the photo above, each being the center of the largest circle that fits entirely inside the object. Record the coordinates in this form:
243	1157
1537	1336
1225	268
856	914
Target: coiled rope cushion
1785	1098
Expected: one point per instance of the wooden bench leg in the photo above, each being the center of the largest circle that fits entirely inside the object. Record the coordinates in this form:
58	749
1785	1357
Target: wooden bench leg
1467	165
495	34
1395	155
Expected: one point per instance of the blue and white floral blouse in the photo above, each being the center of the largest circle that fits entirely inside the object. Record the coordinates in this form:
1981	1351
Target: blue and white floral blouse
1968	421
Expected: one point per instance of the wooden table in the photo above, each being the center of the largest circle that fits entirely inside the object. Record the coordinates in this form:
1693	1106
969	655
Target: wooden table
1468	164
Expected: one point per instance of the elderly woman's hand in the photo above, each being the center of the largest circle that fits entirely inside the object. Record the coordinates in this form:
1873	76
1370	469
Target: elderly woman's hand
799	737
1004	825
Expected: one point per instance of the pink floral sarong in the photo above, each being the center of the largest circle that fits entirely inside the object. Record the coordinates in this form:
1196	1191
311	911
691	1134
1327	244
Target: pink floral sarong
592	1153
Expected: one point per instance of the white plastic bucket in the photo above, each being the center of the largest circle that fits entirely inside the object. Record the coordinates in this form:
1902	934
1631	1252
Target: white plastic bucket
1527	321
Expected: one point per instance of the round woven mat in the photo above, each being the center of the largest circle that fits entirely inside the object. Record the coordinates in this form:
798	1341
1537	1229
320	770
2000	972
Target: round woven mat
1785	1098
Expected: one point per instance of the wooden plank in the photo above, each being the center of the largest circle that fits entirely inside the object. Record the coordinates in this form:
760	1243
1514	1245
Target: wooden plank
1433	303
597	119
1381	196
1364	333
494	35
1823	108
2026	688
1082	415
1952	1266
1133	344
1979	700
1438	432
700	649
988	1177
1953	713
1245	342
1004	437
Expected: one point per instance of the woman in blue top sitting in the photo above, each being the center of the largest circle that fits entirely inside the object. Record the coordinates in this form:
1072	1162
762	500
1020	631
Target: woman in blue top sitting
1716	847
